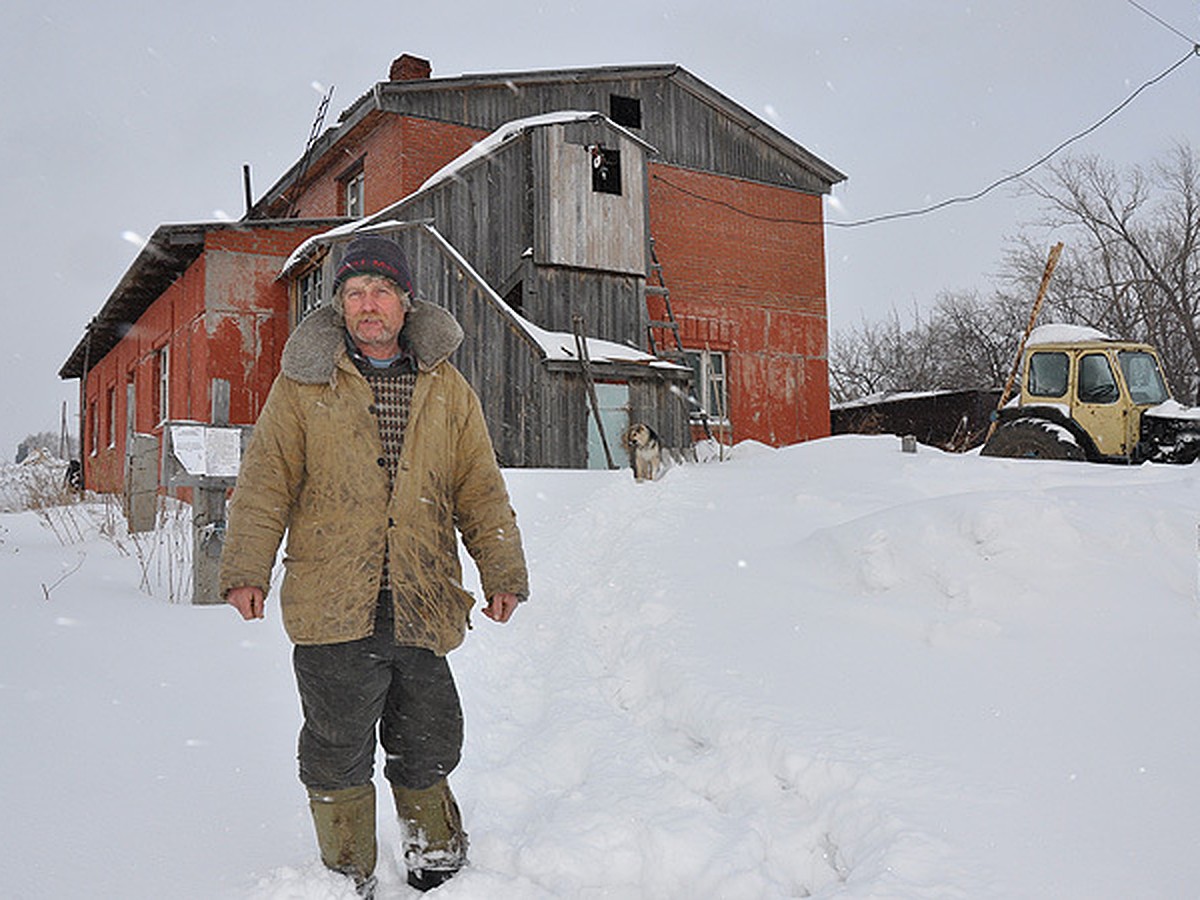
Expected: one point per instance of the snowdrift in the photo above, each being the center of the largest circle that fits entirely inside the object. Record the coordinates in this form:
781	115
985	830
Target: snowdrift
833	670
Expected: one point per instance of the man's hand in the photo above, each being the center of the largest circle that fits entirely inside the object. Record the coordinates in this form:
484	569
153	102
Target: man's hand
246	600
499	609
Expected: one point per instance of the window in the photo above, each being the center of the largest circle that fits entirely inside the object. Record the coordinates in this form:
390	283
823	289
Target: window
1142	376
110	415
1096	381
311	286
626	111
1048	374
710	398
92	429
606	170
515	298
161	373
352	193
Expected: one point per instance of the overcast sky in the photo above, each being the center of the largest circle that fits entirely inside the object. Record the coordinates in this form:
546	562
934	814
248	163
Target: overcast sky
121	116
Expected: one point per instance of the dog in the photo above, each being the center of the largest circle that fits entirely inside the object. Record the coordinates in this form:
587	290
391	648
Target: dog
645	451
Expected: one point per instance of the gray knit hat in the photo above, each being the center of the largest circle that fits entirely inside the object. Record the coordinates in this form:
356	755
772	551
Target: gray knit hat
374	255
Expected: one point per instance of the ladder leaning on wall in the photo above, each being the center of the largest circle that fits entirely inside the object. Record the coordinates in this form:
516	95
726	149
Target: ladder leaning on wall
656	286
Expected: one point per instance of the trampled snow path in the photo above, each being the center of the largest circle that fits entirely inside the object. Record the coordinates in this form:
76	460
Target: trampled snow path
625	774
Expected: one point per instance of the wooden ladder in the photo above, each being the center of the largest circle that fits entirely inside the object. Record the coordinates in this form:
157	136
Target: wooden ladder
658	288
313	134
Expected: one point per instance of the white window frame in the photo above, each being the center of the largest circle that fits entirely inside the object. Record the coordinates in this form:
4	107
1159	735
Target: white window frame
309	292
163	358
110	410
94	427
354	194
710	368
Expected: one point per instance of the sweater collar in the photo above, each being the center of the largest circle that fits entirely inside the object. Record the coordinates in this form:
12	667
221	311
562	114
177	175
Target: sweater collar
404	363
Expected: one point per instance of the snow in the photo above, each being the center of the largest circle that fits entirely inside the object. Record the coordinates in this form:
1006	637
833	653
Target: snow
889	397
1064	334
832	670
1173	409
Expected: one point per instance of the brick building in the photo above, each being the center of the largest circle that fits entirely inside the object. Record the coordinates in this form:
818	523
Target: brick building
734	212
733	264
201	302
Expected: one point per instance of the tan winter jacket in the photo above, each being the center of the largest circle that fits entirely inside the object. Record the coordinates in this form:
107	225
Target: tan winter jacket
314	467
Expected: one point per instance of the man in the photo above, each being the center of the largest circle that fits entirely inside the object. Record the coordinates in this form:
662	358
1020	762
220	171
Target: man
370	450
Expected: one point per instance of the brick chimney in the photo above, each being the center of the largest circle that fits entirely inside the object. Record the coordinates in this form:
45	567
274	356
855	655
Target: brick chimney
409	68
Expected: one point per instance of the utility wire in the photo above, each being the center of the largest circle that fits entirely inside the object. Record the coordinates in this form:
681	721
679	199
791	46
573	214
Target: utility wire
1167	25
967	198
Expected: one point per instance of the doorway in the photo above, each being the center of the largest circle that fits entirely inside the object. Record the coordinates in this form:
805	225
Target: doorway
613	401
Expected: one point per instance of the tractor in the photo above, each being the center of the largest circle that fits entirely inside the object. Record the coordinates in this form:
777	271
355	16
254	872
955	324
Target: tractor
1086	396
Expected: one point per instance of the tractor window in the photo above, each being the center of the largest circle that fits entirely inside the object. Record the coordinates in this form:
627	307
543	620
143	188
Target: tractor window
1048	374
1096	381
1143	377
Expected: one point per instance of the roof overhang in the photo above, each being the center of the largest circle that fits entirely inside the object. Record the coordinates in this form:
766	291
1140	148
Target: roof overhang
168	253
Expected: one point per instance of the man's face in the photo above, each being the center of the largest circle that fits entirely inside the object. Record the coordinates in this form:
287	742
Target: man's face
374	309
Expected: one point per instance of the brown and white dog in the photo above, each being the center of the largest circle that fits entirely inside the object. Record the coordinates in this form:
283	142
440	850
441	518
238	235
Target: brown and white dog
645	451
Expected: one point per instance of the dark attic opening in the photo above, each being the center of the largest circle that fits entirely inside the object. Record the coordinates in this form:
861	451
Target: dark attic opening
625	111
606	170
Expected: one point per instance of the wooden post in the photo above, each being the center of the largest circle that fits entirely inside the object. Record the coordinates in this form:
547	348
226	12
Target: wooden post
1051	262
208	516
585	364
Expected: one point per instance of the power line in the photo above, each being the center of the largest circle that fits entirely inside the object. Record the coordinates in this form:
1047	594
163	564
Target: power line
966	198
1167	25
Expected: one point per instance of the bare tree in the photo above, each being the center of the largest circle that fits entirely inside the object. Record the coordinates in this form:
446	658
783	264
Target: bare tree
966	342
1132	263
878	358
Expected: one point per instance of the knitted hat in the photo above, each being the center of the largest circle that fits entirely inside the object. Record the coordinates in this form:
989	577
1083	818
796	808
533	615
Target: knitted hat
373	255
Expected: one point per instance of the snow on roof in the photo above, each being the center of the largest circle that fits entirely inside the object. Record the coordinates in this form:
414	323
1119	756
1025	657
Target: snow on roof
555	345
1065	334
560	345
1173	409
477	151
510	130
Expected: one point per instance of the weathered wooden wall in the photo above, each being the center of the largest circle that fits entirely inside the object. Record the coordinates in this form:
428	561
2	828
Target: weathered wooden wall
676	119
575	225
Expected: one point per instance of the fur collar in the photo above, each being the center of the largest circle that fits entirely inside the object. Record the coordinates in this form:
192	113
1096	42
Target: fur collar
314	348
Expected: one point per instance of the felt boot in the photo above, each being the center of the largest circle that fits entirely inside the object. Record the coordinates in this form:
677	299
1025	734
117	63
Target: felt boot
345	825
435	845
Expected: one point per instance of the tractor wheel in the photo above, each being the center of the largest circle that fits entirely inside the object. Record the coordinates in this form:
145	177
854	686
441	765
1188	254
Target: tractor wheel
1032	439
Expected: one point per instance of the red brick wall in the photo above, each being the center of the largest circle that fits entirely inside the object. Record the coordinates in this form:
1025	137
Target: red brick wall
225	317
247	319
424	148
745	265
397	156
172	320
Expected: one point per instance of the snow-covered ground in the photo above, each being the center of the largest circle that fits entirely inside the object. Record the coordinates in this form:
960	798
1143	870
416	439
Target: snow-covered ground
833	670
